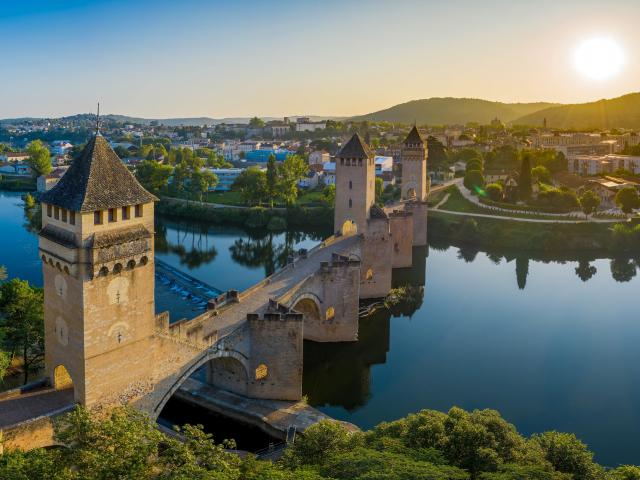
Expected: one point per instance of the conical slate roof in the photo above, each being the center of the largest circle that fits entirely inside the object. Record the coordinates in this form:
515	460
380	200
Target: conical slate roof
414	137
355	148
97	180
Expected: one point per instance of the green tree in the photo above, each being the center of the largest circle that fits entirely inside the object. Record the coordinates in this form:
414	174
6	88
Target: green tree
474	180
627	199
379	191
272	179
589	202
329	195
22	309
624	472
319	443
291	171
256	122
524	179
200	181
29	201
252	185
436	152
541	174
569	455
495	191
39	158
154	176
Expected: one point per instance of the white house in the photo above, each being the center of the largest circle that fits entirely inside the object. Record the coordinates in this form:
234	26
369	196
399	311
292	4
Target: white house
318	157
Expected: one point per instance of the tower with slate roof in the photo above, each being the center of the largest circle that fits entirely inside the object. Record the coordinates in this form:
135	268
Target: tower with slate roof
96	245
414	167
355	186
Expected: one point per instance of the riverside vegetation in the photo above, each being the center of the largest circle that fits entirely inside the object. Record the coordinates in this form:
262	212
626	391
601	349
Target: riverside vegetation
432	445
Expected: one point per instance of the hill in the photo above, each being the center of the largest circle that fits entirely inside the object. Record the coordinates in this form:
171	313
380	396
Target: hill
620	112
448	111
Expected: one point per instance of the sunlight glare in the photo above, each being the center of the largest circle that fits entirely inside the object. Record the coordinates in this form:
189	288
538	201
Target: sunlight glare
599	58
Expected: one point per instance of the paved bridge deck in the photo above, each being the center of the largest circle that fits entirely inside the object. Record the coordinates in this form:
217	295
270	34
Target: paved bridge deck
33	404
256	298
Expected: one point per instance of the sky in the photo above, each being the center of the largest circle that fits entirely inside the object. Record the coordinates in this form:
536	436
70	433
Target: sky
187	58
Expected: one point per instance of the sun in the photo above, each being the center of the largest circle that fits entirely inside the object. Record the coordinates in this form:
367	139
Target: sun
599	58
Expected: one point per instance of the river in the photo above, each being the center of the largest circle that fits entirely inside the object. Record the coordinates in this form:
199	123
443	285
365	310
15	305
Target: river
551	345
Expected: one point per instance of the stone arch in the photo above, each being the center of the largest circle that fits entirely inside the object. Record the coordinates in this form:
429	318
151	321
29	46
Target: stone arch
409	191
229	374
190	369
144	260
61	378
131	264
103	272
117	268
349	227
309	305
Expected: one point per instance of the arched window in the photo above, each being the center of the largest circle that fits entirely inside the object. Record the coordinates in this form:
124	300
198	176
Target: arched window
261	372
369	274
350	184
350	203
331	313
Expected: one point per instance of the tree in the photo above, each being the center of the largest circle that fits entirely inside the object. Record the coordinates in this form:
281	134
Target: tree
319	443
292	170
22	309
569	455
436	153
256	122
29	201
627	199
153	176
495	191
122	152
39	158
524	180
252	185
272	179
541	174
589	202
379	191
474	180
200	181
329	195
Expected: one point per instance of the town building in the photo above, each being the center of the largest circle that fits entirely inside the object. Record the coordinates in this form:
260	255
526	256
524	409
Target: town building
44	183
304	124
603	164
226	178
318	157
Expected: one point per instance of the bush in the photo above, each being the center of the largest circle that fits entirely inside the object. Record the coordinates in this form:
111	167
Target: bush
495	191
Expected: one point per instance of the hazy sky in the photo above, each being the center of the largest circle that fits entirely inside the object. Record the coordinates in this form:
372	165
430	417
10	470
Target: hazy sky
237	58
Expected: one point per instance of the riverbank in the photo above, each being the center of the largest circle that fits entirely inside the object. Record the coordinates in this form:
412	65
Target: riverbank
317	219
574	238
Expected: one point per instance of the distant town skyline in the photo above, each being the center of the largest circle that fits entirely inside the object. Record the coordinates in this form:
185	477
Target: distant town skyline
336	58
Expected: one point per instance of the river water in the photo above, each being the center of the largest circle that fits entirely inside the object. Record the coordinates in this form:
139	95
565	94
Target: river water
551	345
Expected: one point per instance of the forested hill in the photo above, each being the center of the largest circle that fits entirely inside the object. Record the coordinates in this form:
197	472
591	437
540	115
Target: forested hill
620	112
447	111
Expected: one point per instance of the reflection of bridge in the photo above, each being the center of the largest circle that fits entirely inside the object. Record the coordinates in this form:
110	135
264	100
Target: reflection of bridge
104	340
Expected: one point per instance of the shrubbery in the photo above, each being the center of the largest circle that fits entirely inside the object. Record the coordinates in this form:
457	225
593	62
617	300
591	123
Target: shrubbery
427	445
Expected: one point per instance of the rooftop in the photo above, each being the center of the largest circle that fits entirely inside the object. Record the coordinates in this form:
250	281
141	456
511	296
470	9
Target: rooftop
97	180
356	147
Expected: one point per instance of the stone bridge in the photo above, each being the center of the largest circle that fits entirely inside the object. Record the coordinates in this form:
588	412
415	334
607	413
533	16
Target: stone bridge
104	344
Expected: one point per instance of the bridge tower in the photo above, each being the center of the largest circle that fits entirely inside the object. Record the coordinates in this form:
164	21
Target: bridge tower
415	183
355	186
96	245
414	167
